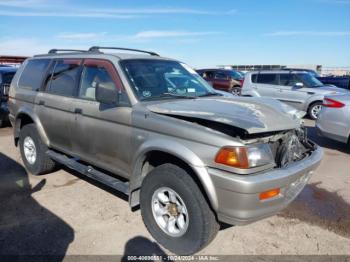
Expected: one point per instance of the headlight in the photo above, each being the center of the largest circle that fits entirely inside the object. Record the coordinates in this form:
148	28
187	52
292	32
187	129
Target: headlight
245	157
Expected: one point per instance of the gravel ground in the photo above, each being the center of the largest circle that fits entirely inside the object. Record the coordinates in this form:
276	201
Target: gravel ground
64	213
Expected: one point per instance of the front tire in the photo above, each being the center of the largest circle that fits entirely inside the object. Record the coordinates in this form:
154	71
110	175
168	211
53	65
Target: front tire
314	110
33	151
175	211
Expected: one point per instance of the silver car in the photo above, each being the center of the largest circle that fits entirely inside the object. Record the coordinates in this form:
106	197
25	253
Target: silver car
334	119
153	129
296	88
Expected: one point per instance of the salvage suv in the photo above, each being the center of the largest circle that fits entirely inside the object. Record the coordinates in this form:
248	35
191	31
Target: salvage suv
188	156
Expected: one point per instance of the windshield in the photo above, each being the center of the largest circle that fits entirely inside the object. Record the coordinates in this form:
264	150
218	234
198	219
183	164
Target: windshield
309	80
158	79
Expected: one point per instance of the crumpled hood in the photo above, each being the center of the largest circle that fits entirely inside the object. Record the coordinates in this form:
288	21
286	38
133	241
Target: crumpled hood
255	115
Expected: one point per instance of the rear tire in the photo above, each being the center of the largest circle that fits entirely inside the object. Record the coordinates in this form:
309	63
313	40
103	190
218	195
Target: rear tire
33	151
199	224
314	110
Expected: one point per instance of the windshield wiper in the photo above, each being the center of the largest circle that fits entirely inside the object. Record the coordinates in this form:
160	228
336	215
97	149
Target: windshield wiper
177	95
169	96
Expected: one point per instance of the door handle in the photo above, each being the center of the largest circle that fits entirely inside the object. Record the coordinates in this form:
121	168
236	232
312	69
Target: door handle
41	102
78	111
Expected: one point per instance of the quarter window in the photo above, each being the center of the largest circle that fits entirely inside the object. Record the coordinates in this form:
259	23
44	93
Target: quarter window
64	77
33	73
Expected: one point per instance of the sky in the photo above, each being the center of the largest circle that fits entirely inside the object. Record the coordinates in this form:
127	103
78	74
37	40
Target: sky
200	33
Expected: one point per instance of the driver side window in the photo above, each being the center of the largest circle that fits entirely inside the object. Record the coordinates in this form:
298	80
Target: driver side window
91	77
100	73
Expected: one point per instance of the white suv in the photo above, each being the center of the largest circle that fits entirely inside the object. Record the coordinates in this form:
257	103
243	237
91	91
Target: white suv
296	88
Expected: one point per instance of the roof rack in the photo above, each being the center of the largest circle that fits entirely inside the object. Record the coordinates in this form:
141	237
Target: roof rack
55	51
97	49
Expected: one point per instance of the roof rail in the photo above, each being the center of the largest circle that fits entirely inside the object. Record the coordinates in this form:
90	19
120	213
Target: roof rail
55	51
97	49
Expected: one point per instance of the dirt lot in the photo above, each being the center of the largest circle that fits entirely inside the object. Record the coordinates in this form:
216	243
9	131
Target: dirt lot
61	213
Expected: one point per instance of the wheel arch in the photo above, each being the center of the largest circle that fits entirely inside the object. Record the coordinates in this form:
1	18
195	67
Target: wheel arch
26	116
175	153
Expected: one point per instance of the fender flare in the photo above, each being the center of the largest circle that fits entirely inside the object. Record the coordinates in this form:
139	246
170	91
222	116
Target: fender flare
177	150
30	113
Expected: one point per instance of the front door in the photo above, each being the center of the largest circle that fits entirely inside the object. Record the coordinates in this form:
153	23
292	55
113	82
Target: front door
102	133
290	93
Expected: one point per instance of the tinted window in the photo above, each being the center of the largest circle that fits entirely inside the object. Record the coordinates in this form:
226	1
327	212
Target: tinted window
208	74
284	79
270	79
7	78
220	75
32	75
254	78
64	77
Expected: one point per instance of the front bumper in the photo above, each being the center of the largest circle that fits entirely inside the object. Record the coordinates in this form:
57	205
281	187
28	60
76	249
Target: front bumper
238	195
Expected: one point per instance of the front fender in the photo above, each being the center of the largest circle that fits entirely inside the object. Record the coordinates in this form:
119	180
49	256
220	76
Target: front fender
178	150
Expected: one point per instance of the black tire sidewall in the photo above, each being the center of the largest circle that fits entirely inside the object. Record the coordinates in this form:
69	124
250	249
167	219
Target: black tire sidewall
30	131
193	239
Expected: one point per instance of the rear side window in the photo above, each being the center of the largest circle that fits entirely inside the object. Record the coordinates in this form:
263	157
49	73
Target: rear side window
64	78
33	73
270	79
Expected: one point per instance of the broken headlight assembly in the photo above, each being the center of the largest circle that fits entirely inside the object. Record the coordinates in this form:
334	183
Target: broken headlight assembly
245	157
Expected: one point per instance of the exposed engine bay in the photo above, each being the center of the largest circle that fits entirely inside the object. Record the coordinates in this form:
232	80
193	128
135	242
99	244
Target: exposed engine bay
292	147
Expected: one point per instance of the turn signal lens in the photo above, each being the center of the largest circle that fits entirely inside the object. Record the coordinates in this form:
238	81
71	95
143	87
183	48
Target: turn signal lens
269	194
233	156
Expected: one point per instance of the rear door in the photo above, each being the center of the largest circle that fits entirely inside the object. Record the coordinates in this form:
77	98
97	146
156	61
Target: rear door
54	104
102	132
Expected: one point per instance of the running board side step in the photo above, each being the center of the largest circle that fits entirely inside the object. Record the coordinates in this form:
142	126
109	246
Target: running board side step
90	172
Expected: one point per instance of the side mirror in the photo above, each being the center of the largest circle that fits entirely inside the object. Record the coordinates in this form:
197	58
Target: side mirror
107	94
298	85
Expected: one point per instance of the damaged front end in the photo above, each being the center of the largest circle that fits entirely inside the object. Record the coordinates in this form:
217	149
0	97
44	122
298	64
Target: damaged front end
293	146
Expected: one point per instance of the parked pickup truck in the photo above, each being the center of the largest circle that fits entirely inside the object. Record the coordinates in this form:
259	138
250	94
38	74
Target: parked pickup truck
188	156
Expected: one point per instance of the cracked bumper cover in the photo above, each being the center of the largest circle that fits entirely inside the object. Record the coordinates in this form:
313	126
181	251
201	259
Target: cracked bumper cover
238	195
